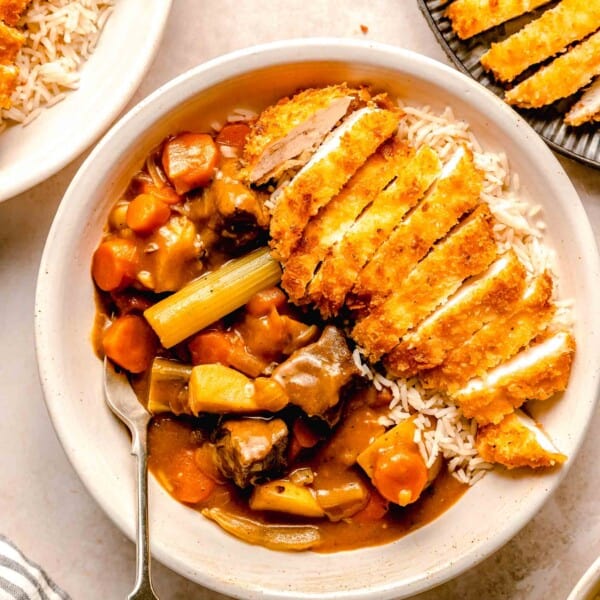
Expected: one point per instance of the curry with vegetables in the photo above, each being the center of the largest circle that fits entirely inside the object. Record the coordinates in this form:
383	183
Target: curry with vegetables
267	418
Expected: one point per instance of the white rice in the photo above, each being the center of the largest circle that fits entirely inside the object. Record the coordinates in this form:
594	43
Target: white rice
59	36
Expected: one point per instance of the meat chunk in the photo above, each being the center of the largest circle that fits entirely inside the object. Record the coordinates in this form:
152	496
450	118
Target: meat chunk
345	261
561	78
249	451
567	22
313	376
470	17
292	127
517	441
455	193
468	250
587	108
534	374
329	169
498	340
328	227
11	10
477	302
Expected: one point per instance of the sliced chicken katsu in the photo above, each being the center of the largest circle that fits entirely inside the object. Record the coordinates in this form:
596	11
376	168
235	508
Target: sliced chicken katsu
587	108
568	22
294	125
330	224
517	441
321	179
8	83
536	373
11	40
470	17
455	193
476	303
498	340
344	262
11	10
561	78
467	250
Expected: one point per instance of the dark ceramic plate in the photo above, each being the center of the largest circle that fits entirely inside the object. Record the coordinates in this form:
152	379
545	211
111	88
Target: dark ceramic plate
579	143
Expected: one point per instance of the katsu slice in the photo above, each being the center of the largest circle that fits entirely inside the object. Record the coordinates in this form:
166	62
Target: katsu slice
11	40
292	126
498	340
561	78
536	373
11	10
517	441
569	21
8	82
330	224
337	159
467	250
344	262
587	108
470	17
454	194
476	303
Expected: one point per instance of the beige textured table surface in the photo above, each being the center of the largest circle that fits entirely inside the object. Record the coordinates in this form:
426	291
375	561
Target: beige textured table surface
43	505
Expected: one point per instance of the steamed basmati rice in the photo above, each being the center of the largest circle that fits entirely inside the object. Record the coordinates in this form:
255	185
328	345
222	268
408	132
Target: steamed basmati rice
59	36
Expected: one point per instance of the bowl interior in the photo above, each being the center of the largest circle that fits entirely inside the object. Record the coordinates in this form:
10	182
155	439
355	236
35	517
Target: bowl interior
488	515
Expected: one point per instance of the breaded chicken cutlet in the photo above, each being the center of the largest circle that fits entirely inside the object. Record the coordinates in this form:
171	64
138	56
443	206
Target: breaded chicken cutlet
11	41
470	17
405	251
587	107
569	21
11	10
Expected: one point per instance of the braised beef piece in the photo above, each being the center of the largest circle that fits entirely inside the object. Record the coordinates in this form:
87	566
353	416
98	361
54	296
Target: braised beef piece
251	451
314	375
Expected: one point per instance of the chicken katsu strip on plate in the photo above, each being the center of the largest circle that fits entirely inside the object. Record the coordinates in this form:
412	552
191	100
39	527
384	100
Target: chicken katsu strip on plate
467	250
587	108
455	193
344	262
11	10
470	17
568	22
561	78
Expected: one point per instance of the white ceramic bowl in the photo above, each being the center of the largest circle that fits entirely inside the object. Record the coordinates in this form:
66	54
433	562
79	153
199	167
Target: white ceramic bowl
109	78
488	515
588	587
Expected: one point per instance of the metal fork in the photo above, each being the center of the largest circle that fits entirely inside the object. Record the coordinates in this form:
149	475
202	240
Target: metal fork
122	400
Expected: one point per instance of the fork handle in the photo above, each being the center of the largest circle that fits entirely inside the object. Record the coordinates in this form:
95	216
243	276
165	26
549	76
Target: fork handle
143	584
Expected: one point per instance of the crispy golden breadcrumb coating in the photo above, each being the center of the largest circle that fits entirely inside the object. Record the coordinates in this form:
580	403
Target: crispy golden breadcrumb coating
561	78
534	374
331	223
492	294
568	22
517	441
467	250
8	83
321	179
11	40
11	10
454	194
498	340
470	17
587	108
341	267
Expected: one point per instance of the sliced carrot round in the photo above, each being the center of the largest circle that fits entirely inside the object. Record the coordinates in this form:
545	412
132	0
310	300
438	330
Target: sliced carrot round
147	213
114	264
190	483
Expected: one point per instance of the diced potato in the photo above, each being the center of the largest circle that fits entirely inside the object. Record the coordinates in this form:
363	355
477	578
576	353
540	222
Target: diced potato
284	496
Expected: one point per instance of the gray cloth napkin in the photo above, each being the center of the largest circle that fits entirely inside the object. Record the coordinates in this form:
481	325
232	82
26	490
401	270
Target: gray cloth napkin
21	579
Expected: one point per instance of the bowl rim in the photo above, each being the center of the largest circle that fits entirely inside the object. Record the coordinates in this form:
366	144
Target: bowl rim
228	66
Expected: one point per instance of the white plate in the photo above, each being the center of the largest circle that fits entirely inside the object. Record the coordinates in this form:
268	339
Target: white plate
488	515
125	50
588	587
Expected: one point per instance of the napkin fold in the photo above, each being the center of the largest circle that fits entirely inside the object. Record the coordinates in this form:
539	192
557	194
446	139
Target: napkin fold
22	579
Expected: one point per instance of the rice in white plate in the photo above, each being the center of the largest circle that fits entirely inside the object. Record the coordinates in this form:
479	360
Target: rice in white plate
59	36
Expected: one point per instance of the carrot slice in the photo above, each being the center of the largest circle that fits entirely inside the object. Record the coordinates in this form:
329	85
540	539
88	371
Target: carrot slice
166	193
400	474
190	484
146	213
189	160
131	343
375	510
234	134
114	264
307	438
261	303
